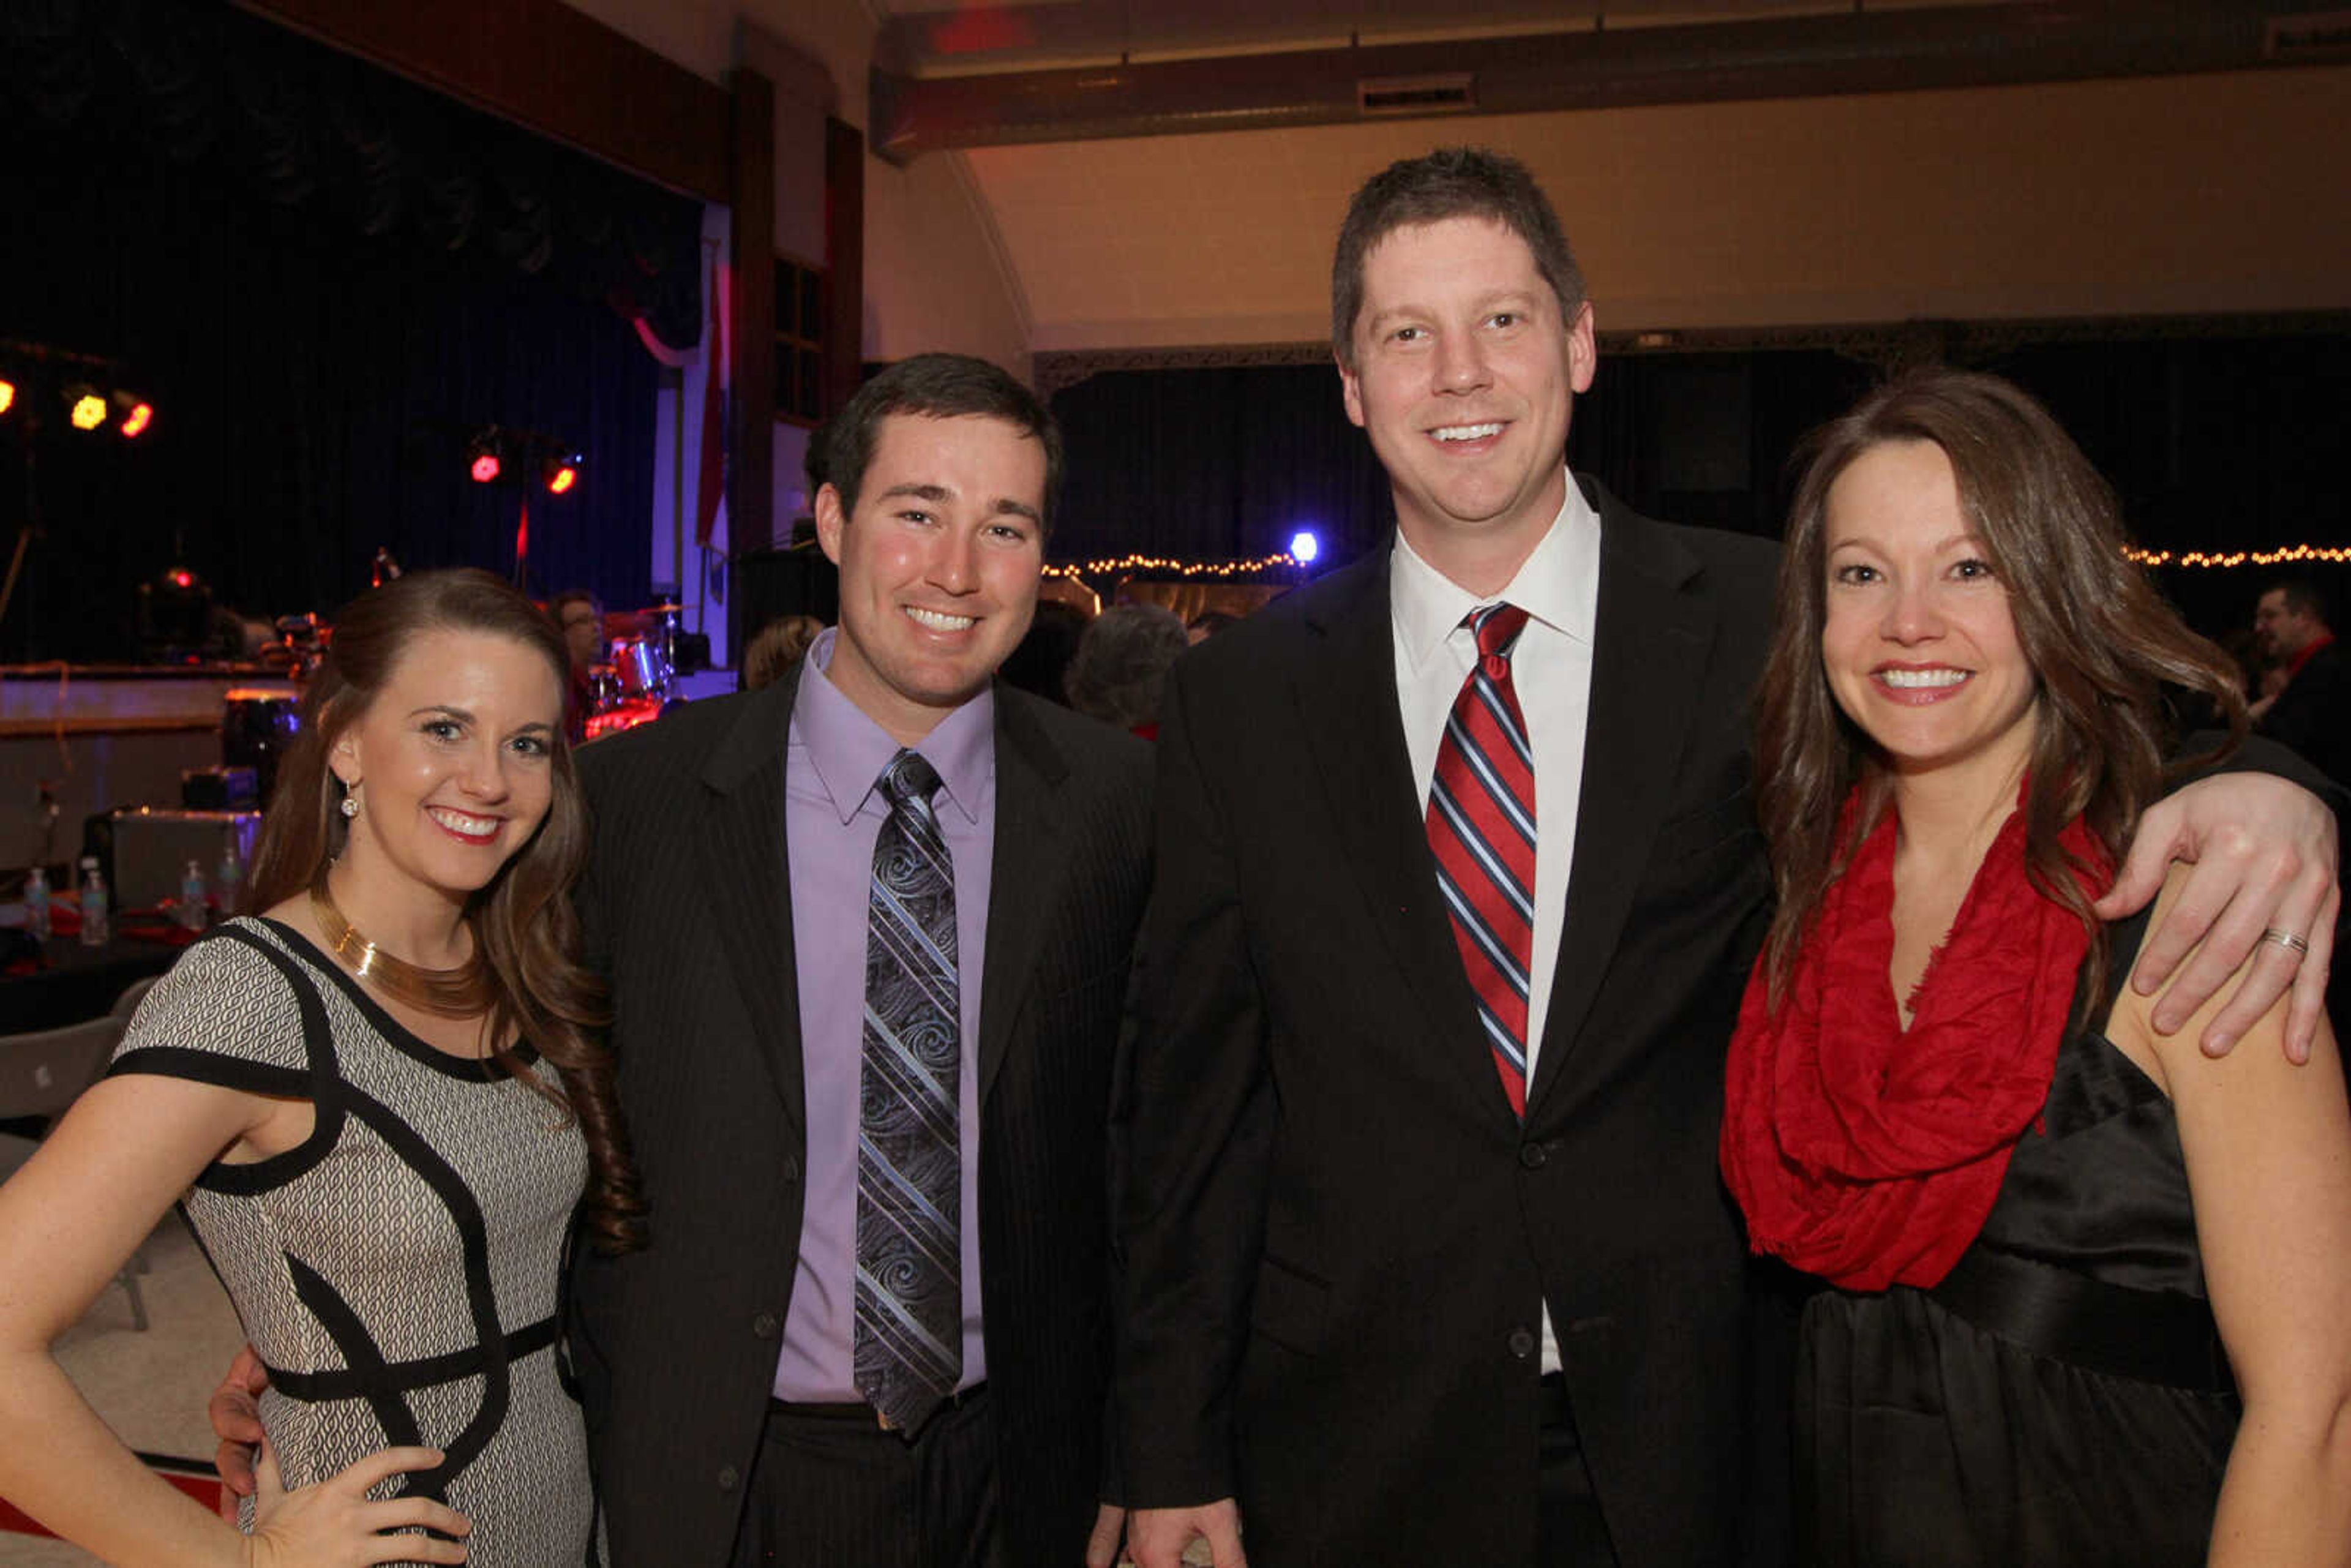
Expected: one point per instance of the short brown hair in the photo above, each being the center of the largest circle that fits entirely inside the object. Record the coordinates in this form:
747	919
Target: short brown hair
1450	182
932	386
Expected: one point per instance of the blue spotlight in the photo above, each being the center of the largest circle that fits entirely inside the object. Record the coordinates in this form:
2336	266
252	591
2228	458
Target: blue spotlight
1305	547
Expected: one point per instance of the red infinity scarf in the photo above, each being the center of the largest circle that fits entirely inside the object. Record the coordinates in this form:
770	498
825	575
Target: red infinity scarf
1870	1155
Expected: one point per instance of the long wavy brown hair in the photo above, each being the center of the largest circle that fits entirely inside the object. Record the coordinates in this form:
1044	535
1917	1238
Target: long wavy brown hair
2103	646
522	920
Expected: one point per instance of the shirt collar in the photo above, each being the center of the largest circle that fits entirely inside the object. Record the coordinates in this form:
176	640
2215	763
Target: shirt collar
1557	584
849	750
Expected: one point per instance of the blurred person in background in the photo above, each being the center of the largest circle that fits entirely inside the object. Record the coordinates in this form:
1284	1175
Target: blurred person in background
1121	664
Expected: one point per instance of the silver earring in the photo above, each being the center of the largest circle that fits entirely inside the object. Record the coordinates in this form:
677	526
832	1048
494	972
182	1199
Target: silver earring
352	801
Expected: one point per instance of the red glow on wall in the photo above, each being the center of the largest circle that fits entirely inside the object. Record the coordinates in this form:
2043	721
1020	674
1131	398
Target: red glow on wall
977	29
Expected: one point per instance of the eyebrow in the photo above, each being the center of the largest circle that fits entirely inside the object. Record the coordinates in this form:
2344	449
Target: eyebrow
1869	541
463	716
939	495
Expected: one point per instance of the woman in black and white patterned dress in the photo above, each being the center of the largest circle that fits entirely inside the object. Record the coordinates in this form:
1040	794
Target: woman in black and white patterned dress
381	1100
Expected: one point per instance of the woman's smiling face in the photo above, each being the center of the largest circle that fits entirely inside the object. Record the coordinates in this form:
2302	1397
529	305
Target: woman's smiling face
453	760
1919	645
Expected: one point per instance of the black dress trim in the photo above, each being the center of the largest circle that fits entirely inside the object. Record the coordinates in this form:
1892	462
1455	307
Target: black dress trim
362	1357
322	1088
468	1069
401	1377
481	1298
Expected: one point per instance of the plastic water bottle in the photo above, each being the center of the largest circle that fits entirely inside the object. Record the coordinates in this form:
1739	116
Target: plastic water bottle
228	880
36	904
192	911
96	924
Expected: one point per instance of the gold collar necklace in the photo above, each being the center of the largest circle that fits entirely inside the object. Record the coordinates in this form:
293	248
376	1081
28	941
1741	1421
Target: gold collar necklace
461	992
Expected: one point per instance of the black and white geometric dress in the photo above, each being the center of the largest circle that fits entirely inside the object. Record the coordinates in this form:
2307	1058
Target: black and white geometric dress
397	1272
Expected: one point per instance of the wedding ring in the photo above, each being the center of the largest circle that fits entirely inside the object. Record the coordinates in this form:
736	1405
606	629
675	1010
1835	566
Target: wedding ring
2286	938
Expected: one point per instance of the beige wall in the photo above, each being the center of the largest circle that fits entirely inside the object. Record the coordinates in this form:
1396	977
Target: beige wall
2164	195
2209	193
2220	192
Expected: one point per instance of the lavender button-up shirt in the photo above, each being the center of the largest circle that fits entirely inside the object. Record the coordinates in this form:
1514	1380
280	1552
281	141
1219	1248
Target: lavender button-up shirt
832	813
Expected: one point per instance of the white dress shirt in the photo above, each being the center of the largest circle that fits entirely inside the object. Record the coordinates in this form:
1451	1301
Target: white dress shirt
1559	588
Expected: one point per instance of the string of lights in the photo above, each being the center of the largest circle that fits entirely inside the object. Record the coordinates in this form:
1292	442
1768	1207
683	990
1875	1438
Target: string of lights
2285	555
1136	564
1305	547
1132	565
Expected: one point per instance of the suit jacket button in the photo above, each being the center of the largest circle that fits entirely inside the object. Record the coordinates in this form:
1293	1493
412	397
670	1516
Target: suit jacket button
764	1326
1522	1343
1533	1156
728	1476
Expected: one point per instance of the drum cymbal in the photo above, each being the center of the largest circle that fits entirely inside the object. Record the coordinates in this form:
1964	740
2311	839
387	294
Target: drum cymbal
663	609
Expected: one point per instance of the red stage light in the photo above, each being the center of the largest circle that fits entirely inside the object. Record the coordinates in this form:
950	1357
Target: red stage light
7	396
88	410
182	577
485	468
134	424
563	478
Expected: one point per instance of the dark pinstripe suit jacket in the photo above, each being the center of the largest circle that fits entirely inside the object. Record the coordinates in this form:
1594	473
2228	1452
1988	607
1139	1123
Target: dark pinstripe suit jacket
687	911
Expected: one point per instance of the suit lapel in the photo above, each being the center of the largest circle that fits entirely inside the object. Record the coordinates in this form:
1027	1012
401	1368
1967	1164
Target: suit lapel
740	839
1347	704
1026	866
1649	650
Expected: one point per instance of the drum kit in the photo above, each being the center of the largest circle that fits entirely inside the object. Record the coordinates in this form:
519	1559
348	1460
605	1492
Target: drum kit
642	670
638	678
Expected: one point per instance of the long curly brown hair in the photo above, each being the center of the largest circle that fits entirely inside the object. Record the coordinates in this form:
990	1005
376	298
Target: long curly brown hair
522	920
2103	647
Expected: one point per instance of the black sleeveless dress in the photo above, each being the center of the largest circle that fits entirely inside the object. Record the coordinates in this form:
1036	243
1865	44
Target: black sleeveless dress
2061	1399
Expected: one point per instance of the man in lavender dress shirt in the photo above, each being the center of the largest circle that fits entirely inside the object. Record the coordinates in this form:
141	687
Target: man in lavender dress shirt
727	901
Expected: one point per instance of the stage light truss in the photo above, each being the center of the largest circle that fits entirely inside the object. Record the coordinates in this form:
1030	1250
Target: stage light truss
505	453
40	380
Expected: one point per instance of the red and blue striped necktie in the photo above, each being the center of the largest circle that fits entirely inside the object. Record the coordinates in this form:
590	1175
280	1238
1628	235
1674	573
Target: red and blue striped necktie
1481	829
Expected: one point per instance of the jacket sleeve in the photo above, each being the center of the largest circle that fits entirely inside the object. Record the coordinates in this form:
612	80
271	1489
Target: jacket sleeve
1197	1122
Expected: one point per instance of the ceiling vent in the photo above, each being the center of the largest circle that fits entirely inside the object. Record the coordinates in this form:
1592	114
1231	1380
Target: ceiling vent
1451	92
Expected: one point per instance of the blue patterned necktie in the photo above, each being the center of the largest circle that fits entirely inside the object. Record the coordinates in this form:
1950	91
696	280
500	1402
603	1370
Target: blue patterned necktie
908	1353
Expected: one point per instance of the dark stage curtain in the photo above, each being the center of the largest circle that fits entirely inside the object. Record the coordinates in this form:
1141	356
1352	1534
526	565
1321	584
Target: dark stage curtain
1212	465
2211	443
1215	463
324	277
2219	443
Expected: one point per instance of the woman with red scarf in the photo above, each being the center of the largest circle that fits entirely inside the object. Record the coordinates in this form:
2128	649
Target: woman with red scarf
2091	1286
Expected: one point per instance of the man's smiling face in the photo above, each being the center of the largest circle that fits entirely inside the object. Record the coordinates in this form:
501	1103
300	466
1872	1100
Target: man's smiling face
1466	366
939	565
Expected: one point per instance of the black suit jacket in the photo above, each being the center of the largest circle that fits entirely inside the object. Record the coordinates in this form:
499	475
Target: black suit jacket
2313	714
687	909
1338	1238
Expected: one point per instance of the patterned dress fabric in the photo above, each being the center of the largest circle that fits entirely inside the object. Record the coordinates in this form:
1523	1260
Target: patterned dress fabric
397	1272
1926	1441
908	1353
